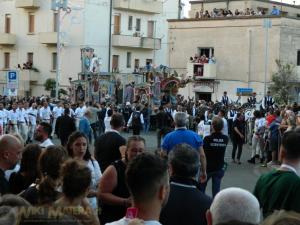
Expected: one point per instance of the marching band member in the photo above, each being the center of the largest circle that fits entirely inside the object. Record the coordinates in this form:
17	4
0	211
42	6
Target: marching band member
32	118
13	119
45	113
56	112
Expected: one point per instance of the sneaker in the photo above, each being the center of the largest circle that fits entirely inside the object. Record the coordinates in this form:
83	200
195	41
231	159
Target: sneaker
263	165
239	162
233	161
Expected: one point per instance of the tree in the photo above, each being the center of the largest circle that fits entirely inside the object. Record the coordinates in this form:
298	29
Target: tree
282	82
50	85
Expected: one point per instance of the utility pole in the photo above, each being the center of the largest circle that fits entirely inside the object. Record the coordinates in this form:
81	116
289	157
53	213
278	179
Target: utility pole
179	9
109	37
267	26
57	6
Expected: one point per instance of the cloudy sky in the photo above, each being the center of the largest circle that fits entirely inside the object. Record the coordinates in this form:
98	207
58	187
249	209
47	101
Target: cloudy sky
187	4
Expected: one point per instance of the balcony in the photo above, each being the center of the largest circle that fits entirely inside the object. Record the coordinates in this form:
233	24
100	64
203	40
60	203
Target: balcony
151	43
8	39
201	71
129	41
48	38
28	4
144	6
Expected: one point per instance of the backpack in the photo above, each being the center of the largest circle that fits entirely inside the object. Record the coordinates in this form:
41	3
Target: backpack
136	120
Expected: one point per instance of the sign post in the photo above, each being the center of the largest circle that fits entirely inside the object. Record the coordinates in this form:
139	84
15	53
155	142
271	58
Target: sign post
12	82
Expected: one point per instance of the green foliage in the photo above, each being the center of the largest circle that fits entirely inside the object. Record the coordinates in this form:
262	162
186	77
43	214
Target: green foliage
282	82
50	84
62	92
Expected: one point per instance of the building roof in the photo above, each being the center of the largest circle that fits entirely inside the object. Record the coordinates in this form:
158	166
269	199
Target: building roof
231	18
266	1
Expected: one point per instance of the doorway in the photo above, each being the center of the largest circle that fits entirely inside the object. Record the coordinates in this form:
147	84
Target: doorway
203	96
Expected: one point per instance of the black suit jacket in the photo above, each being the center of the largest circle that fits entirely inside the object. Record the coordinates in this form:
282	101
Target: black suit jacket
187	205
65	126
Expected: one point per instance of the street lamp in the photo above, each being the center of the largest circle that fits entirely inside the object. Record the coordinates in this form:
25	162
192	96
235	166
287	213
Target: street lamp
56	6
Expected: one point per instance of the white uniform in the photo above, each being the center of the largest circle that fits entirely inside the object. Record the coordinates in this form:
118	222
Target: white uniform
22	123
79	112
13	120
32	117
57	112
45	114
2	121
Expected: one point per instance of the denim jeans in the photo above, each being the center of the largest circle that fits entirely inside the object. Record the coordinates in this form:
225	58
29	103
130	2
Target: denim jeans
216	181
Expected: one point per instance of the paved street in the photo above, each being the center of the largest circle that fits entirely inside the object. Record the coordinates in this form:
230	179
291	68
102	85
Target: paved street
244	175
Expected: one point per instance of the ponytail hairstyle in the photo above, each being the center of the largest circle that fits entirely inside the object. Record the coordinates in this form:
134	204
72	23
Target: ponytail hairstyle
50	163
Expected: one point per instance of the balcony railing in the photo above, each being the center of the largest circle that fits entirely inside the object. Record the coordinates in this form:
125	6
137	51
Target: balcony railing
27	4
201	71
8	39
145	6
48	38
129	41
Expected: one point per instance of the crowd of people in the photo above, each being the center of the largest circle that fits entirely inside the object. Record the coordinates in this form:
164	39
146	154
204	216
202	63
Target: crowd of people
96	176
205	14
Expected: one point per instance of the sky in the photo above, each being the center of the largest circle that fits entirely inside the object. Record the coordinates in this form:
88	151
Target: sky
187	4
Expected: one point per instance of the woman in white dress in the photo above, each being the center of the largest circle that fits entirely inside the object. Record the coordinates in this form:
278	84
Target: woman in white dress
78	149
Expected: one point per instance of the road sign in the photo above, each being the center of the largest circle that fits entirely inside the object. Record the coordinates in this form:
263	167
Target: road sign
12	79
244	91
12	92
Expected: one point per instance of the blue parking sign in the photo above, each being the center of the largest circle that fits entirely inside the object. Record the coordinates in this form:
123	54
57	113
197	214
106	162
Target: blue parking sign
12	75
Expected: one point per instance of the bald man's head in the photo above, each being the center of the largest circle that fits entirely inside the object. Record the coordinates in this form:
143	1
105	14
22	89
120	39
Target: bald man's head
234	204
10	151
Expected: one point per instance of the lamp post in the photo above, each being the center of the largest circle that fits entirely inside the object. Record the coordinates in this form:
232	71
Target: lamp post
57	6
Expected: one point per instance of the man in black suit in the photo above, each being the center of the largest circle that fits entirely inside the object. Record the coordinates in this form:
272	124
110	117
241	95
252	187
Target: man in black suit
186	204
107	146
101	116
225	100
65	126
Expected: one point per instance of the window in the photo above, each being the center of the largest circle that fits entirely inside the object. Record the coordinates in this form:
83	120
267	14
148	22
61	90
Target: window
148	61
130	23
138	25
117	24
298	58
128	60
7	23
6	60
115	63
54	60
207	51
30	23
151	29
136	63
30	57
55	18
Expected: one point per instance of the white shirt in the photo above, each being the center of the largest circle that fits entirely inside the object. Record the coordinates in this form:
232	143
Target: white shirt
57	112
125	221
79	112
13	116
201	128
96	175
32	115
225	127
46	143
45	113
23	116
2	117
107	124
